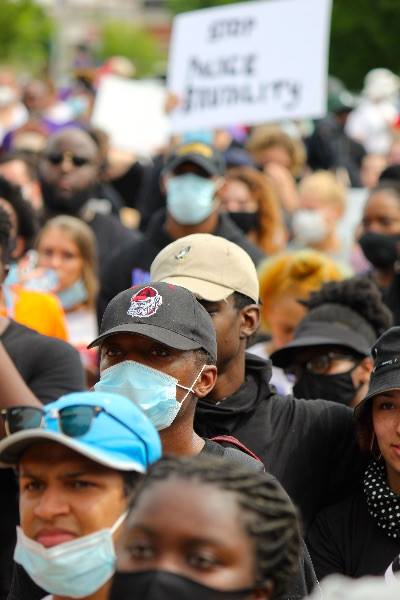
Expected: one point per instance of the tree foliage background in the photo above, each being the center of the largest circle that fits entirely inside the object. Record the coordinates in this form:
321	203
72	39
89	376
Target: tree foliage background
120	38
364	35
25	34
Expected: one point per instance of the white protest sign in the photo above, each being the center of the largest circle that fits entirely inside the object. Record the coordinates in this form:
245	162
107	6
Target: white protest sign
132	114
248	63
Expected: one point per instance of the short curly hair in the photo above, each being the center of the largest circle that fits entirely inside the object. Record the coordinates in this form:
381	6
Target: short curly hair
5	236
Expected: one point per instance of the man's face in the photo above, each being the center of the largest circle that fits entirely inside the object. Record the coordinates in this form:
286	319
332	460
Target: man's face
69	166
64	495
180	364
227	323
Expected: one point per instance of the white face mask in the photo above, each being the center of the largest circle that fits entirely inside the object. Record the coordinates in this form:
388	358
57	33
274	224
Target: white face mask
74	569
150	390
308	226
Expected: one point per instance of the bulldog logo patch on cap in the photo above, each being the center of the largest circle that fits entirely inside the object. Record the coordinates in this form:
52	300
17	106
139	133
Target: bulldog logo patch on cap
145	303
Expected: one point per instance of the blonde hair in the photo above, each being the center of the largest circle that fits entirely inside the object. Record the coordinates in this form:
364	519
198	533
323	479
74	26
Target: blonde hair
295	274
326	185
268	136
84	239
270	233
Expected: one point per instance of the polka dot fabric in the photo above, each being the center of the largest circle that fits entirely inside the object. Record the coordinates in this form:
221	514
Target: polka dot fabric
383	504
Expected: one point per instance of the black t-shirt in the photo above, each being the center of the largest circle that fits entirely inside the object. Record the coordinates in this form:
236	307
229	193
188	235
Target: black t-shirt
51	368
308	445
345	539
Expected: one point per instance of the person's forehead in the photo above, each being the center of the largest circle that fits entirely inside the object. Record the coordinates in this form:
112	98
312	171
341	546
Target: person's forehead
16	171
75	141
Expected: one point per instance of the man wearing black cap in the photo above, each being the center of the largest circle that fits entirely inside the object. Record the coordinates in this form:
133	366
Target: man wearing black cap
158	348
191	177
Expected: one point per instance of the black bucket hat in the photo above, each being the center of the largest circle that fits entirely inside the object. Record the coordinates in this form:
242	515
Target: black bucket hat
320	333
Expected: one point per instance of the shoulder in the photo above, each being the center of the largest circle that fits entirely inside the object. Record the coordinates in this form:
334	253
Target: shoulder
233	454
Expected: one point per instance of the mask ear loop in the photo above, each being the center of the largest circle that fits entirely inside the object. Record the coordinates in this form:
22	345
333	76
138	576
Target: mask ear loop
373	449
190	389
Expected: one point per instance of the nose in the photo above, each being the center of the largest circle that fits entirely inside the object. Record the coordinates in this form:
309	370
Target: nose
51	504
66	164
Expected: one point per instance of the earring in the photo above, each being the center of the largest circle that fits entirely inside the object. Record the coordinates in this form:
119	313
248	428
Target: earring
372	447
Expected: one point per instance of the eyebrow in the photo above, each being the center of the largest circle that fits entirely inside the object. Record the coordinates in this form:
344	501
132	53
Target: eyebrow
69	475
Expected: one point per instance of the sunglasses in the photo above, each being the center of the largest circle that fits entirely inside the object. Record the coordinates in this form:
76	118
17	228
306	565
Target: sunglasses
56	158
74	421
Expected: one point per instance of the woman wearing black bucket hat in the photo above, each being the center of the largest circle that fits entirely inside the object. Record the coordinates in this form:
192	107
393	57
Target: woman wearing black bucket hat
361	535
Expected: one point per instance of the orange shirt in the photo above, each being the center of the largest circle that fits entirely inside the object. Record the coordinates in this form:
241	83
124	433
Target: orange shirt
41	311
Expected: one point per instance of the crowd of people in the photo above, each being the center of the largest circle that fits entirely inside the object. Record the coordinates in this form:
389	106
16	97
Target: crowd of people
199	354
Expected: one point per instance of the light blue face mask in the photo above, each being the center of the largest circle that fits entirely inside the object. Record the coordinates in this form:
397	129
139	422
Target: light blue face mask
150	390
190	198
74	569
73	295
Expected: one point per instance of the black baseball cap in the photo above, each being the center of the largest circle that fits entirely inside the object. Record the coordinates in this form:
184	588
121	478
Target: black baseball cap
161	311
320	333
205	156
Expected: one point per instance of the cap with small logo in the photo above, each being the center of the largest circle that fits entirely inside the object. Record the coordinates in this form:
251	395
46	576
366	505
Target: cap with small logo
210	266
119	435
205	156
163	312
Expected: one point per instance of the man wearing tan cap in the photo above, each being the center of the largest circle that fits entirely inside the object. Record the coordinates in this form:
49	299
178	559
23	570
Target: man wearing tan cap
308	446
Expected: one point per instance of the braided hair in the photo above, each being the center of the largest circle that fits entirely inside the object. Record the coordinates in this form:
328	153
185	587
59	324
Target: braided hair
5	236
268	515
355	302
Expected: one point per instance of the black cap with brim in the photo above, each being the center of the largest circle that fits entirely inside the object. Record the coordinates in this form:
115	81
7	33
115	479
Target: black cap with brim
205	156
161	311
320	333
165	336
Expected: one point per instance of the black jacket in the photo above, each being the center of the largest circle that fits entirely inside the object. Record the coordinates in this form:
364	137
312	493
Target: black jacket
130	264
345	539
308	445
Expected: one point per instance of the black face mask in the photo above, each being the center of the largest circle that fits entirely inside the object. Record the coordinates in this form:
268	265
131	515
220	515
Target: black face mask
380	249
246	221
337	388
162	585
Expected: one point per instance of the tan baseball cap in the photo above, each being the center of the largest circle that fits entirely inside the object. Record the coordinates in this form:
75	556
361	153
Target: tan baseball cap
209	266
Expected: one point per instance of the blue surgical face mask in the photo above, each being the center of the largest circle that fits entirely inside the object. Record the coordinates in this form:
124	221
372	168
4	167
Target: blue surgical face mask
150	390
73	295
74	569
190	198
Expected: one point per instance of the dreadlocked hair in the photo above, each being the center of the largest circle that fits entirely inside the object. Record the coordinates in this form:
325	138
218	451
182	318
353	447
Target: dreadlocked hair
5	236
268	515
355	302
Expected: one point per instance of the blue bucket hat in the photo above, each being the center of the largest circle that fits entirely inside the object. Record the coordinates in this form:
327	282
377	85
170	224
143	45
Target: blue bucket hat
120	437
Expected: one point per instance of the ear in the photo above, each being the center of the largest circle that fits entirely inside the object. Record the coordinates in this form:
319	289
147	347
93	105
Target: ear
364	369
249	320
19	248
206	381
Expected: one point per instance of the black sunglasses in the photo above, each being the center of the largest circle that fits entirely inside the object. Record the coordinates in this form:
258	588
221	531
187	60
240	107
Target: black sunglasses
56	158
74	421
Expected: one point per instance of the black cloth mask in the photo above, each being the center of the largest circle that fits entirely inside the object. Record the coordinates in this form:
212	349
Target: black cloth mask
381	250
162	585
337	388
246	221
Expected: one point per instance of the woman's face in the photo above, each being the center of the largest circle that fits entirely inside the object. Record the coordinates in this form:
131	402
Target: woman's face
386	421
58	251
381	214
235	196
284	314
190	529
